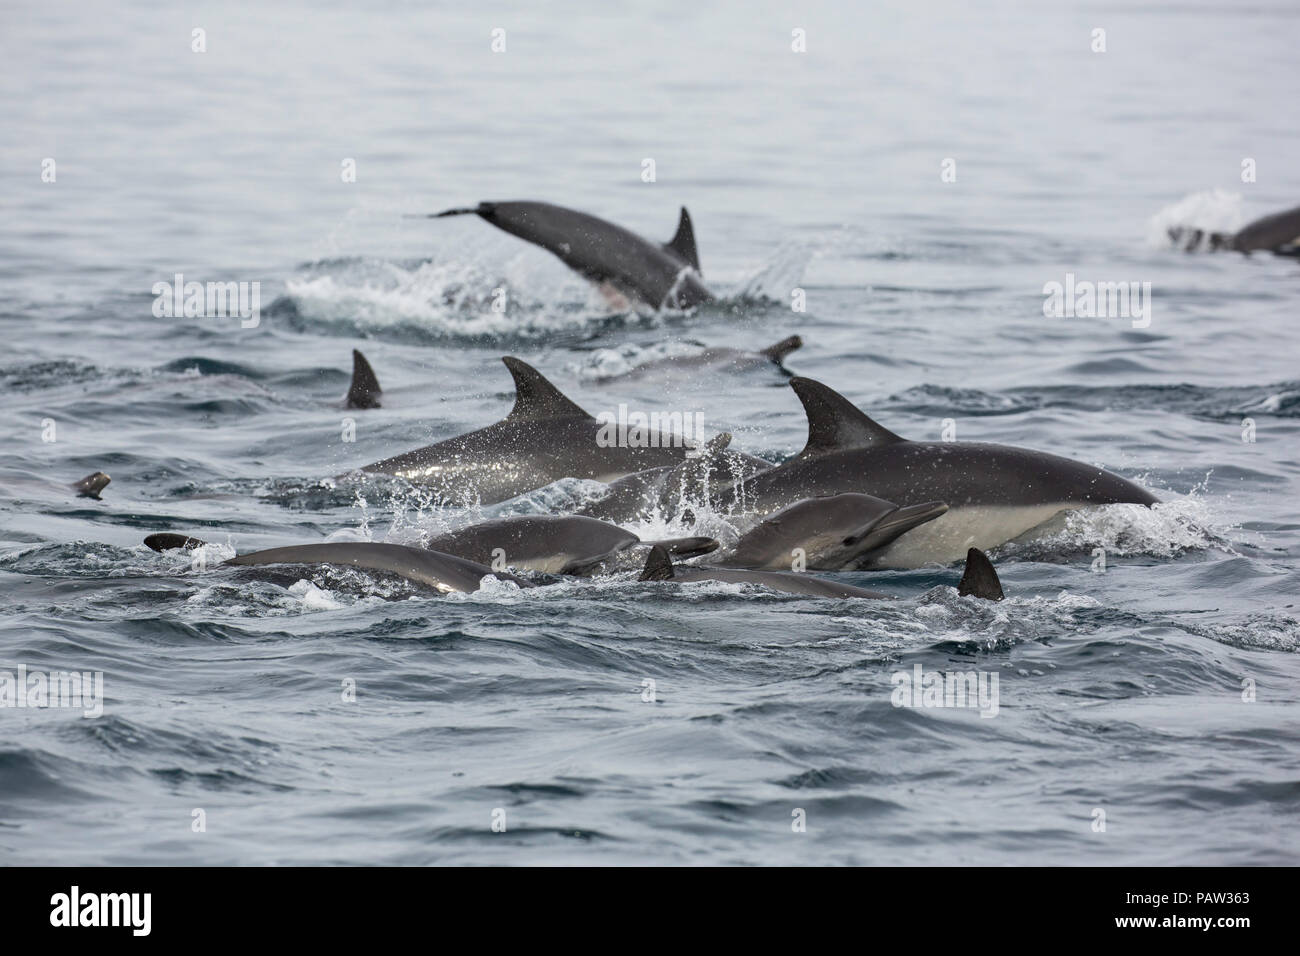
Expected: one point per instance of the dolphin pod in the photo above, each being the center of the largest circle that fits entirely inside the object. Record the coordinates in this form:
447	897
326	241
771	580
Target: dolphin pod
663	276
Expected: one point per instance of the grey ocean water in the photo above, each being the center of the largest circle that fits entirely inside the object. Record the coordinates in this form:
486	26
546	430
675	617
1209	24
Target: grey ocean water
1119	692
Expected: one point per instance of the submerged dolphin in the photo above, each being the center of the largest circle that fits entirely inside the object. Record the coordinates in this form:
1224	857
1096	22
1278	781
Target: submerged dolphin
544	438
995	493
719	359
979	578
554	544
441	572
364	390
1278	233
838	533
661	276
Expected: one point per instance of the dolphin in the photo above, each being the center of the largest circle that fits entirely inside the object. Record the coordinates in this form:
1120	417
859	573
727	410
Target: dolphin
364	391
715	359
661	276
92	485
1278	233
544	438
838	533
995	493
708	478
979	578
444	573
553	544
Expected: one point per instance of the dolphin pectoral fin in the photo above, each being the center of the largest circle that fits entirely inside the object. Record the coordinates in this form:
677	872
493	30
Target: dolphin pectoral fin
168	542
364	391
92	485
682	244
894	524
658	567
979	579
835	423
536	398
686	547
780	350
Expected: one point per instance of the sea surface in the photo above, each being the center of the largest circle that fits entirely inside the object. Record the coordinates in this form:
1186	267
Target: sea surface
1147	713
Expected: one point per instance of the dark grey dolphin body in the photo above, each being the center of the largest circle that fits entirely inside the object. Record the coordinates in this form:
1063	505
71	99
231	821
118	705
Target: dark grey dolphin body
441	572
994	493
1278	233
713	359
708	478
553	544
838	533
979	578
661	276
544	438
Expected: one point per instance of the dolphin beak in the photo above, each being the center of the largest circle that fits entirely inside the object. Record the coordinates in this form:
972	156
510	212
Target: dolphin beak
895	524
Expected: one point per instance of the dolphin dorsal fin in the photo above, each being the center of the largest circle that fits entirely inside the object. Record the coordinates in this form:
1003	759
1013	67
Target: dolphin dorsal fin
535	397
979	578
659	566
682	245
364	391
835	423
717	444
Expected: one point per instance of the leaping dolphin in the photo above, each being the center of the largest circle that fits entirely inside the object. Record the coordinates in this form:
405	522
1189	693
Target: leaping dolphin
995	493
1279	233
544	438
979	578
661	276
554	544
839	533
444	573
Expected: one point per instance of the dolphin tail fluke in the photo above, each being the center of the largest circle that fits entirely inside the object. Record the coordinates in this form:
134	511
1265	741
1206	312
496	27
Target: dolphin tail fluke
92	485
780	350
364	391
682	244
979	578
659	566
686	547
169	542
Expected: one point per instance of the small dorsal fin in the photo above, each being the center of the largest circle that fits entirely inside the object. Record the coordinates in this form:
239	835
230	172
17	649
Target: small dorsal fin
535	397
716	445
365	390
683	243
979	578
659	566
835	423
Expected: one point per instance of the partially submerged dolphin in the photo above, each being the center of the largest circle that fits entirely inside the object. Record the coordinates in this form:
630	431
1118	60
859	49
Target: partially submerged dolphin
979	578
995	493
441	572
364	390
92	485
661	276
1278	233
837	533
719	359
554	544
544	438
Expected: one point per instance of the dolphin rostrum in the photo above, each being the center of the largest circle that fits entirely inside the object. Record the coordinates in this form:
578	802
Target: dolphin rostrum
1279	233
995	493
553	544
838	533
661	276
981	582
544	438
441	572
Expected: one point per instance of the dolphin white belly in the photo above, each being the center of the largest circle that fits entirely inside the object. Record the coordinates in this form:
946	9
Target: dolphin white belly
946	539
